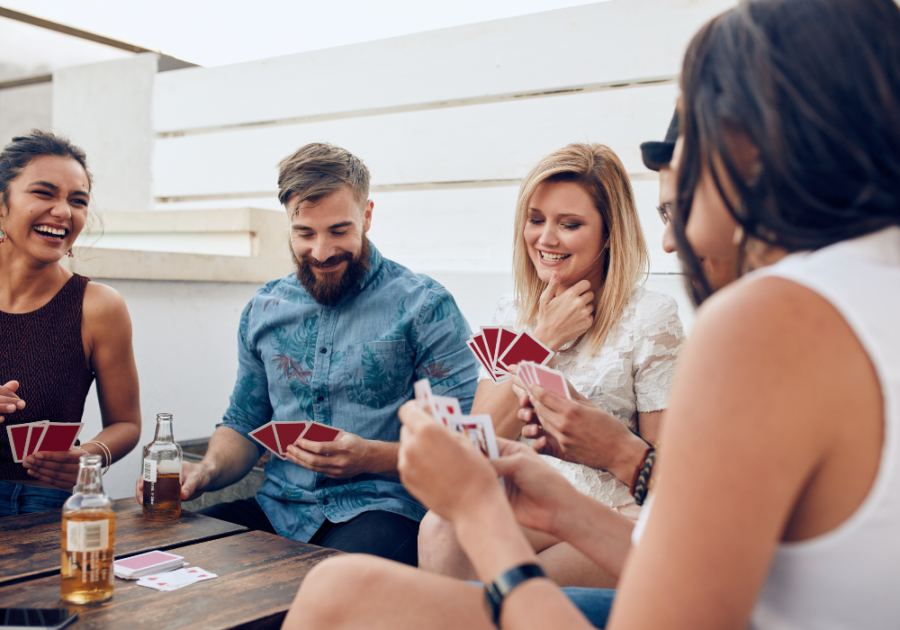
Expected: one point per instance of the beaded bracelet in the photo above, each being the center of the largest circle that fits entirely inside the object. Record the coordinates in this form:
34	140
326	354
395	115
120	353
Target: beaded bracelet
643	476
106	452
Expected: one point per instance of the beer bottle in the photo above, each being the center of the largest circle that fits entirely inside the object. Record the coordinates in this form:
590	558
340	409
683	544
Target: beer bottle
162	473
88	537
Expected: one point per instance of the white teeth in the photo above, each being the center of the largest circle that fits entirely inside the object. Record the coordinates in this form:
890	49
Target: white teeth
554	257
49	230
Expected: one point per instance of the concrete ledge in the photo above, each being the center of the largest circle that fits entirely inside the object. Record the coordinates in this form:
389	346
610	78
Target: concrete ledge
95	262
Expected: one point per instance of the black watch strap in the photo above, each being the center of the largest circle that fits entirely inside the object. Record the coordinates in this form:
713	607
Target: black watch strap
505	583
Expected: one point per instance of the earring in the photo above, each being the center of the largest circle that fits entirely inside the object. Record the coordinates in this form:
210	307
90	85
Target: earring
70	254
738	235
2	236
756	171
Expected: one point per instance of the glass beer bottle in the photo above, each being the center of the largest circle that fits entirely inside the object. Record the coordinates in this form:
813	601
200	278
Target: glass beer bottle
88	537
162	473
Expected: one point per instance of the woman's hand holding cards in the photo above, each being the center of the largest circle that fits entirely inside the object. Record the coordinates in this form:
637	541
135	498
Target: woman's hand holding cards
441	468
58	468
564	317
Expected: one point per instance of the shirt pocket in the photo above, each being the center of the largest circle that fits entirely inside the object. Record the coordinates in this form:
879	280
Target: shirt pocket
379	373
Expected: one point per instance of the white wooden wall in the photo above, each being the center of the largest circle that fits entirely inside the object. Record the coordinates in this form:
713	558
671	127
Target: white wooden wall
447	121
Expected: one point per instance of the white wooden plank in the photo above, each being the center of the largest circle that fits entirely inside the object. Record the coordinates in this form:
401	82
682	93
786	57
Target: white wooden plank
592	45
498	141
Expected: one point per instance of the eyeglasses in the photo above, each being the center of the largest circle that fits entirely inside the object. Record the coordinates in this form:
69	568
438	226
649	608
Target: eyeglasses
665	212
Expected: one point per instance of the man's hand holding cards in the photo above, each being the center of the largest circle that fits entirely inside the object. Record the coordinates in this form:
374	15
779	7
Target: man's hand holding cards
478	429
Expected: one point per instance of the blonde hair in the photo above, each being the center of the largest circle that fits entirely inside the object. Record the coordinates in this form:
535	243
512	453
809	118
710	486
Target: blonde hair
599	171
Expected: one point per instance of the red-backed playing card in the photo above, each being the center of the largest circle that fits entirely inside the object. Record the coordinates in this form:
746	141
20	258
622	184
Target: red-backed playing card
288	432
266	436
18	440
57	436
477	352
147	560
320	433
504	340
525	348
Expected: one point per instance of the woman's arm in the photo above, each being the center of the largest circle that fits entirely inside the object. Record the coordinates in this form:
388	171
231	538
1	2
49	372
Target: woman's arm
106	332
500	401
761	389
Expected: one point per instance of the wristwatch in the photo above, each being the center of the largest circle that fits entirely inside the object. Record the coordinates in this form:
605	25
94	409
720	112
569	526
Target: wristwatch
506	582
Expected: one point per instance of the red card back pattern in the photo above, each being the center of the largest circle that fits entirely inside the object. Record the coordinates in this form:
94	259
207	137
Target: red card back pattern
58	437
288	432
320	433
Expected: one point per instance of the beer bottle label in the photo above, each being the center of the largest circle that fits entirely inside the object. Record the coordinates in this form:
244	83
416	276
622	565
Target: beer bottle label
87	535
150	470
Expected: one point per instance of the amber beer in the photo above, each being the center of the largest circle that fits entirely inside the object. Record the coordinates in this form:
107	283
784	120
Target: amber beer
162	473
162	498
88	538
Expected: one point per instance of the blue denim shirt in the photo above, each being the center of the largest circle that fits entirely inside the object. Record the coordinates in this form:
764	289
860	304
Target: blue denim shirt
350	366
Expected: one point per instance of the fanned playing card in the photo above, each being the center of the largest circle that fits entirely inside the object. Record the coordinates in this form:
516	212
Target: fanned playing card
320	433
287	433
525	348
266	436
18	440
56	436
484	362
504	339
553	381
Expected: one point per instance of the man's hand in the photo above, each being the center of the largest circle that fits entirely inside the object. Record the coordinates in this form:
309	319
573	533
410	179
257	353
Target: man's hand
347	456
9	402
58	468
194	480
582	432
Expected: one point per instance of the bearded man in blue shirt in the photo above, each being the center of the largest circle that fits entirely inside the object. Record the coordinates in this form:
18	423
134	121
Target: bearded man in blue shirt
340	342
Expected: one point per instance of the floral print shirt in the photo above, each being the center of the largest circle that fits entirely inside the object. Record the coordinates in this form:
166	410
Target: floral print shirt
350	366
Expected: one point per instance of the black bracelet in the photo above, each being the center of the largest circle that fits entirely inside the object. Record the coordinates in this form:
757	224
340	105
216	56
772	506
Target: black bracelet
506	582
644	477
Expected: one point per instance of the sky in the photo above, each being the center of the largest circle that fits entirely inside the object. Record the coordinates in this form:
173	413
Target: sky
220	32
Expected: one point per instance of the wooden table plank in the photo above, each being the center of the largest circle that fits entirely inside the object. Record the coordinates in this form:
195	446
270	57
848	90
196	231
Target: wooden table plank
30	545
259	575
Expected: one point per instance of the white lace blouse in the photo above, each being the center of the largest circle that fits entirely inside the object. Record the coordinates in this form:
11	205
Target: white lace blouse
632	372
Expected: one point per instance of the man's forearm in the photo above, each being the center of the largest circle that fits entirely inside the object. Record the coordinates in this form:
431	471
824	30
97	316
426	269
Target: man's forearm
382	458
229	457
597	531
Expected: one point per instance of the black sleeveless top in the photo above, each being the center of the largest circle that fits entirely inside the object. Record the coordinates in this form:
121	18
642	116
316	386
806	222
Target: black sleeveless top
43	351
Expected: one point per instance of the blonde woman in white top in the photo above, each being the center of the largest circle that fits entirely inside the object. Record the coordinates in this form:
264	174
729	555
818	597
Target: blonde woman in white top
579	260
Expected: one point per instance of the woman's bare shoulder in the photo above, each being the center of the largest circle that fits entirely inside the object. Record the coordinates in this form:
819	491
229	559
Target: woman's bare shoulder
104	305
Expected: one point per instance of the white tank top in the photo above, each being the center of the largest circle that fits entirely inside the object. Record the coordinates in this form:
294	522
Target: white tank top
848	578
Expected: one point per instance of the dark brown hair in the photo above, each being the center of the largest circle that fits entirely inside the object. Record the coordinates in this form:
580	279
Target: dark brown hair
320	169
815	86
23	149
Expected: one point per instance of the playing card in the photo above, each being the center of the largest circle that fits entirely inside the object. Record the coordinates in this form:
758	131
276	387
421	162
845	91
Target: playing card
479	430
478	355
447	409
177	579
551	380
424	396
525	348
504	339
18	440
266	436
35	433
56	436
287	433
524	374
320	433
480	343
148	563
491	334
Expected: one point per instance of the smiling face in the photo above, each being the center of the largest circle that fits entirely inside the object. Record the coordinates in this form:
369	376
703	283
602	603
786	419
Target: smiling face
328	243
564	232
46	207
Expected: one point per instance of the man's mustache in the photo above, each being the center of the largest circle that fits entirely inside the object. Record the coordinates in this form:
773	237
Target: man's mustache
329	262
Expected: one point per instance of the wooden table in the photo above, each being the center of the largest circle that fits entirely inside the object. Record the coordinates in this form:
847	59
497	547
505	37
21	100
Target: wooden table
30	545
259	574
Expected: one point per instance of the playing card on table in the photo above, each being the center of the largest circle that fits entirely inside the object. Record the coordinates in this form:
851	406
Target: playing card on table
149	563
174	580
525	348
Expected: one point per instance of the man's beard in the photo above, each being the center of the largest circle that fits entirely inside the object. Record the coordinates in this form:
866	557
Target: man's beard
330	288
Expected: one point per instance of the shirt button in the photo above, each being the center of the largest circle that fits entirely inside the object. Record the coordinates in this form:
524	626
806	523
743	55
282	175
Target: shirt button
323	350
325	501
320	398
